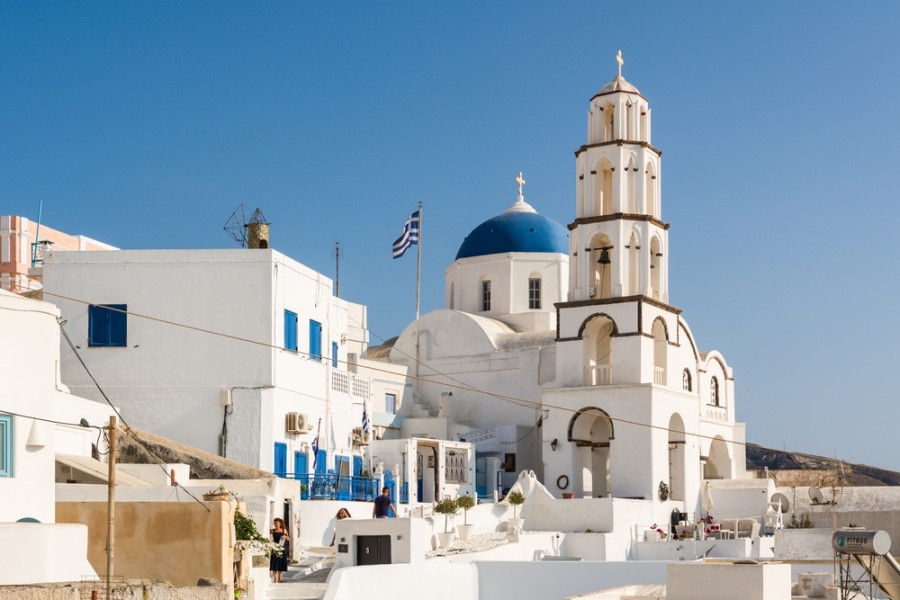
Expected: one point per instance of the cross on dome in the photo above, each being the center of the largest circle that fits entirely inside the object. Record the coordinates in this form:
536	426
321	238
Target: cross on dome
620	61
521	181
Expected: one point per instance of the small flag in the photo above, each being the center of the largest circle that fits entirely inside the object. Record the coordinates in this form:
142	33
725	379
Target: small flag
315	449
365	418
409	236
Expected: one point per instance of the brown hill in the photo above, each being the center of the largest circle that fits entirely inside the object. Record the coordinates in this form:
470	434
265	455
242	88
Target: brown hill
760	458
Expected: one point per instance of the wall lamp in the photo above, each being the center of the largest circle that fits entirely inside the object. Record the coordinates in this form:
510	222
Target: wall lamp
554	444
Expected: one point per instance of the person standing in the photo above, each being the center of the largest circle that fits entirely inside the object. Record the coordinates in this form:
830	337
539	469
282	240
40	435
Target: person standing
278	564
342	514
383	505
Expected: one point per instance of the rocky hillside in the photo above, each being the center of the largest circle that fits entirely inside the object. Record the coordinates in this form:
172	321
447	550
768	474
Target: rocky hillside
759	458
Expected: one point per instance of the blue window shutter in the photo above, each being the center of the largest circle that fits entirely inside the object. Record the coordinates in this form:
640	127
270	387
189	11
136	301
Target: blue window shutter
315	340
334	354
321	467
6	446
357	466
301	464
280	459
290	330
108	325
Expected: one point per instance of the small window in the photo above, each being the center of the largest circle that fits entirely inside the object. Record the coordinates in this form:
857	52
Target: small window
108	325
390	404
315	340
686	380
486	295
290	331
534	293
334	355
714	392
456	463
6	446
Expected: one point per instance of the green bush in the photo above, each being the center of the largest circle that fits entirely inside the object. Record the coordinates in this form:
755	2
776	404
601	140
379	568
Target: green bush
515	498
245	528
465	502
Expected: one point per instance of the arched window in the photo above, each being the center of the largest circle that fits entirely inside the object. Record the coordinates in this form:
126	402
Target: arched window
714	391
608	122
686	380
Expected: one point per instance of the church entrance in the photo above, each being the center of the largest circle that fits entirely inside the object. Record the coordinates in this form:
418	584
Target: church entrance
591	430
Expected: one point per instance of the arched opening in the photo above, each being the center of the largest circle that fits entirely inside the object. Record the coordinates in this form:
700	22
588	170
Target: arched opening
686	384
718	464
677	450
609	122
644	134
655	269
714	398
597	338
634	264
630	181
629	118
591	430
660	352
650	191
601	263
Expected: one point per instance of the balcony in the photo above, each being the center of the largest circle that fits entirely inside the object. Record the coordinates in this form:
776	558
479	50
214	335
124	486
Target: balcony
598	375
347	383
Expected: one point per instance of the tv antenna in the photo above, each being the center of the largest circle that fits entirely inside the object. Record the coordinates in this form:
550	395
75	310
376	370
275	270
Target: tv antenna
237	224
815	495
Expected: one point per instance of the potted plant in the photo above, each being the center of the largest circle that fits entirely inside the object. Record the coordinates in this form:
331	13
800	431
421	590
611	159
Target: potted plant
446	507
221	493
516	498
465	502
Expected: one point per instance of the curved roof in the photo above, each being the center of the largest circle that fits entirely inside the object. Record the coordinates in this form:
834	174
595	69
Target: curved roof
617	85
518	229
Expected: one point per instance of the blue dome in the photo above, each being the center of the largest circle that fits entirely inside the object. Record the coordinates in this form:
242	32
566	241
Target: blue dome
515	231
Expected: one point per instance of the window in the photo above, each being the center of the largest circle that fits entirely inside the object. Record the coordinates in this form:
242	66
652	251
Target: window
290	331
534	293
280	459
107	325
390	404
714	392
686	380
486	295
6	446
334	354
315	340
456	465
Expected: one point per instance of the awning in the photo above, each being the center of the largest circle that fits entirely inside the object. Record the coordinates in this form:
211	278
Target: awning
97	471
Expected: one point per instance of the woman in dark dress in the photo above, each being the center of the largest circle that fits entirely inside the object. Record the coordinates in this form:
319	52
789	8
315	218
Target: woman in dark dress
279	564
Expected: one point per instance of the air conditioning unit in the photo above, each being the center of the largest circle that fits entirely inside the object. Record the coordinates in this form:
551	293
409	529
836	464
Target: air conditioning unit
592	291
296	422
360	438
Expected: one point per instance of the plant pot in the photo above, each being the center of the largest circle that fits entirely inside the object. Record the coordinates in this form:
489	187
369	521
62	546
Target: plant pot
217	497
447	539
568	495
515	524
464	531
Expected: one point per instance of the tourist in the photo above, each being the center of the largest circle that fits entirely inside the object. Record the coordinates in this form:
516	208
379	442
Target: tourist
278	563
383	505
342	514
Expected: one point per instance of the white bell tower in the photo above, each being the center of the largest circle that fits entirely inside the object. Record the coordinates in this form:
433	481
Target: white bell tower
618	244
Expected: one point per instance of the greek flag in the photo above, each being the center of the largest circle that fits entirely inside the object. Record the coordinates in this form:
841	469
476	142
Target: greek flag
365	418
315	450
409	236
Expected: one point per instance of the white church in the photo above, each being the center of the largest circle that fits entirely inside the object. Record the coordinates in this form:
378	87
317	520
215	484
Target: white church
560	346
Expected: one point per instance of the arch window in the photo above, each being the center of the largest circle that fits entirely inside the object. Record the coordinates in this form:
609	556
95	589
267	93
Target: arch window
686	380
650	192
631	181
714	392
608	122
534	293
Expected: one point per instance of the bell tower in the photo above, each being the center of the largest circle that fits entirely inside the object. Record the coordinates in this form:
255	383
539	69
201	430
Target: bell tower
618	244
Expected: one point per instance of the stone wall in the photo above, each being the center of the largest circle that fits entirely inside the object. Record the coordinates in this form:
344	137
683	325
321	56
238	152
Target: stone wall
128	590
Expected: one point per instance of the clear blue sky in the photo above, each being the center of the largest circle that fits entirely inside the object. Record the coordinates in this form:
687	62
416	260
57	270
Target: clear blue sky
145	124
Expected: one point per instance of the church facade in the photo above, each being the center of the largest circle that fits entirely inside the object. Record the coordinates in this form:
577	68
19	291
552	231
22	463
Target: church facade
569	334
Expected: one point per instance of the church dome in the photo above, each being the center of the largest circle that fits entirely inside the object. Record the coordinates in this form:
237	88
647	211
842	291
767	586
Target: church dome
518	229
617	85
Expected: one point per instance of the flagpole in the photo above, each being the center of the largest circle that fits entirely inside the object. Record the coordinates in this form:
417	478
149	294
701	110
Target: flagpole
418	293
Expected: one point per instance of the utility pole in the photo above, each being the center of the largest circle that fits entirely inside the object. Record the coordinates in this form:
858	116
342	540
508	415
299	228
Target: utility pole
111	507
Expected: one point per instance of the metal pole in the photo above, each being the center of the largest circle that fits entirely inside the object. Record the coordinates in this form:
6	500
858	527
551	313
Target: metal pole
111	507
337	269
418	385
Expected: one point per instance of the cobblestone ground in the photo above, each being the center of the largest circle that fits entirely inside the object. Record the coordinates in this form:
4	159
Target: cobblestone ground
475	543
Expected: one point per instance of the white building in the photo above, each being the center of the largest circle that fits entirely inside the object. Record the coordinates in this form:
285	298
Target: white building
244	353
38	419
575	341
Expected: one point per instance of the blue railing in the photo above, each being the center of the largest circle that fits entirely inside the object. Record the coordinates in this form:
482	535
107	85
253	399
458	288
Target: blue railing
332	486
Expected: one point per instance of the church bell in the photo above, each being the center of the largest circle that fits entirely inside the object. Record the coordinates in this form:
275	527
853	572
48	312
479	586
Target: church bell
604	257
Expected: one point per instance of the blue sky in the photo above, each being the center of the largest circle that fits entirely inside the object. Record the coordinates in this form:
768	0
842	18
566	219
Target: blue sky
145	124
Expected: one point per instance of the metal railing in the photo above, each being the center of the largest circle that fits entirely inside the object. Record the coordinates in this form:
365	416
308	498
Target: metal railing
331	486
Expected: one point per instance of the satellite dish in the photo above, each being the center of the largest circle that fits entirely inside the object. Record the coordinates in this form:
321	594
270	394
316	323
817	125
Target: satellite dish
782	500
815	494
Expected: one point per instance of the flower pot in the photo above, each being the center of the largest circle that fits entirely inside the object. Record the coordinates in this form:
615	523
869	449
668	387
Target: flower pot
464	531
217	497
568	495
447	539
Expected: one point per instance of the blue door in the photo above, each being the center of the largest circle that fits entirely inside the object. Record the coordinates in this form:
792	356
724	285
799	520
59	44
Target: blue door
301	472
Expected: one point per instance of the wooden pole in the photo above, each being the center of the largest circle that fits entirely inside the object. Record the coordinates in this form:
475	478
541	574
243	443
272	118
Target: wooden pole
111	507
